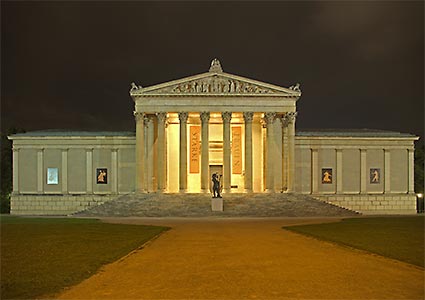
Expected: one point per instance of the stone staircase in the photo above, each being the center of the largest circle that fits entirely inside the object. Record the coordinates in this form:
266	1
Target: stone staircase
199	205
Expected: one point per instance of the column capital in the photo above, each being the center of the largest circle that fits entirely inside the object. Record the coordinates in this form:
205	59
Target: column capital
15	149
64	149
205	116
227	116
288	118
248	116
138	116
146	120
162	117
183	117
269	117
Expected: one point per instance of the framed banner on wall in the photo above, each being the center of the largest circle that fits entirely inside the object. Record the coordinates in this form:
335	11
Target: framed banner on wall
101	176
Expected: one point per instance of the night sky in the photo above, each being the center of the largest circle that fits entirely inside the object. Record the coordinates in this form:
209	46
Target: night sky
69	65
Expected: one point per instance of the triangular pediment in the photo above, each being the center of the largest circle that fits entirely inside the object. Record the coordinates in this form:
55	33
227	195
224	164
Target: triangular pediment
215	84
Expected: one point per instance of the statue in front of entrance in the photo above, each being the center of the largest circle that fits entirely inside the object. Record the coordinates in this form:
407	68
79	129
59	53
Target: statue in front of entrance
216	185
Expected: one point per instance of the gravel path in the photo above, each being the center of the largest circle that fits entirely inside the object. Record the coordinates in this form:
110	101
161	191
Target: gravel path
247	259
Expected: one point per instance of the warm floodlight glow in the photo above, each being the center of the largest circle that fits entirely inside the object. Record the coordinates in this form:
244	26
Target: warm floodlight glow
420	195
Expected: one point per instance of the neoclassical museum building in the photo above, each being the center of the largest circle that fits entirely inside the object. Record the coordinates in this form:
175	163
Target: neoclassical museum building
213	122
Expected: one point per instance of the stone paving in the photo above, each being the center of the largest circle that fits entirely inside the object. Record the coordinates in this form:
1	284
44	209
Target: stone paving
239	258
199	205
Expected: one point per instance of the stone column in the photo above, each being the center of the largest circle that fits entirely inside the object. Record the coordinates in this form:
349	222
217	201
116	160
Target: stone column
387	171
339	171
183	152
269	119
15	169
145	164
285	152
227	116
205	158
291	150
89	171
363	171
248	116
40	179
150	163
411	158
140	152
114	171
64	171
162	159
314	171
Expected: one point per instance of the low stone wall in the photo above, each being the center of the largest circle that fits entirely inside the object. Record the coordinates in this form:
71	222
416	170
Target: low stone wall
54	204
69	204
374	204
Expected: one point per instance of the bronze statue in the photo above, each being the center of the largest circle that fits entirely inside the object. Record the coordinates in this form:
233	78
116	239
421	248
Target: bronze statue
216	185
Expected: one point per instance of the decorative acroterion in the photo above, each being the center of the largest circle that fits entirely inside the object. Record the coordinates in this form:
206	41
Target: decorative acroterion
216	66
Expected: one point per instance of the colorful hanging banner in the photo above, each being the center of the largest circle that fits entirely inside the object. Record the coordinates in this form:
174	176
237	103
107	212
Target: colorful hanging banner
195	145
237	150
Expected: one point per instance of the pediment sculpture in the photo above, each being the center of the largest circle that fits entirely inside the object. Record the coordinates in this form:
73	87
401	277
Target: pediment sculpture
218	85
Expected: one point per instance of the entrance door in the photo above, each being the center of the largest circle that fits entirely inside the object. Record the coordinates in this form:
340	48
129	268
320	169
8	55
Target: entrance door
215	169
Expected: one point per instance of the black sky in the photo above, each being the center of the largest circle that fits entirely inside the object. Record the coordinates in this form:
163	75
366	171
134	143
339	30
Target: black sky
69	65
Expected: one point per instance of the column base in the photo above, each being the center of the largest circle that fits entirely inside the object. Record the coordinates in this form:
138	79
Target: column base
183	191
269	191
248	191
227	191
205	191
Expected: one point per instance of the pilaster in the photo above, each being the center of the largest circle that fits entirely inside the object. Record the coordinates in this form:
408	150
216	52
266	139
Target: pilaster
339	171
411	170
40	176
89	171
363	171
314	171
64	171
15	168
140	152
387	171
114	171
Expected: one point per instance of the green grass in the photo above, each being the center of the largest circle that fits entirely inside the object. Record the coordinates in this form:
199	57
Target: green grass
400	238
40	256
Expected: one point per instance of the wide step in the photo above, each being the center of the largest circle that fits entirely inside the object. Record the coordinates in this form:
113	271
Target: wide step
199	205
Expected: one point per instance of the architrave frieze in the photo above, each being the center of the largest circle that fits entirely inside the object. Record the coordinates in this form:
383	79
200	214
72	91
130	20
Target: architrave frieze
219	104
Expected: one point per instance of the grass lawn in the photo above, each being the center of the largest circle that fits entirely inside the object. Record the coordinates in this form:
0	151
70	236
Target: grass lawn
401	238
40	256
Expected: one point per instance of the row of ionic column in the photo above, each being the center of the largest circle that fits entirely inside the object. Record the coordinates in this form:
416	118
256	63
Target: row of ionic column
144	184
